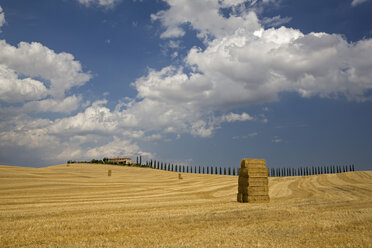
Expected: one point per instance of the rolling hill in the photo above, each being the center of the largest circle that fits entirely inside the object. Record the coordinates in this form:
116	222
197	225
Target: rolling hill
81	206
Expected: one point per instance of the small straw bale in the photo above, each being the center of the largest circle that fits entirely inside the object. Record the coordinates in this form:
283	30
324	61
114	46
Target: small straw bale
179	176
109	173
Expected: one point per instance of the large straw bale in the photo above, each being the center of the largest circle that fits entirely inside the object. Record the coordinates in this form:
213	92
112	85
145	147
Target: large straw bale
256	190
253	181
253	163
240	197
254	172
256	198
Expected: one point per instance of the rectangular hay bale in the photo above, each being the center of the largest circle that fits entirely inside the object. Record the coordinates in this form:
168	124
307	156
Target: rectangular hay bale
260	190
258	181
240	197
254	172
253	163
256	198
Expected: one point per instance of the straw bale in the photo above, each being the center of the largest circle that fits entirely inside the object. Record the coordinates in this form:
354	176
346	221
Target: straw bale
109	173
258	181
243	180
256	190
253	163
240	197
254	172
253	181
255	198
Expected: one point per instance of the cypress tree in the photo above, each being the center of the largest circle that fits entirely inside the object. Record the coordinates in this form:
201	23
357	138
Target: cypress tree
203	170
207	169
224	171
140	160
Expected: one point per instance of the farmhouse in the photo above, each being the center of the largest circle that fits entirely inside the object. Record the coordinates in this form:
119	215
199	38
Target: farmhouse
120	160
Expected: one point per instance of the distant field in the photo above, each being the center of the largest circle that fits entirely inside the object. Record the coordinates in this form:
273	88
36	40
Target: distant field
80	206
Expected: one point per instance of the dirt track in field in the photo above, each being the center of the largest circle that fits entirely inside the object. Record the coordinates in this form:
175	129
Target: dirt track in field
80	206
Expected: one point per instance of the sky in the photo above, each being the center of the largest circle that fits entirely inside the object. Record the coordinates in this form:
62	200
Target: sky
185	81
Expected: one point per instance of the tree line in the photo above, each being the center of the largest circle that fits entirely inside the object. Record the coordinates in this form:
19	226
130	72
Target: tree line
273	172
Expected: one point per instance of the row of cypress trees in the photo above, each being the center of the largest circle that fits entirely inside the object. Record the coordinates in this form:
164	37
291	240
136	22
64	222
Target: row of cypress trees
308	171
192	169
273	172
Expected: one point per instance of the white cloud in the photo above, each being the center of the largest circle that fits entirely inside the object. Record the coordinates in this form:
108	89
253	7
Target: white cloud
61	70
357	2
231	117
203	16
13	89
243	64
103	3
275	21
66	105
2	18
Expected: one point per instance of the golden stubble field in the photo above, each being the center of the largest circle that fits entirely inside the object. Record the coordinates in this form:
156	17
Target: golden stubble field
80	206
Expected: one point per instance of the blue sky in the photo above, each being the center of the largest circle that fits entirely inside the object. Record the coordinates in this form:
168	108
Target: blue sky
194	82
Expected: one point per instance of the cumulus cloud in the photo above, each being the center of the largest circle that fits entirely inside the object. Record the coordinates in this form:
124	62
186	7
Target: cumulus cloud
104	3
246	64
203	16
243	63
66	105
61	70
232	117
357	2
13	89
275	21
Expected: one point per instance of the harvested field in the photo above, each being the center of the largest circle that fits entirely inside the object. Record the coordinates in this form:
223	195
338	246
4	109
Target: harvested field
81	206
